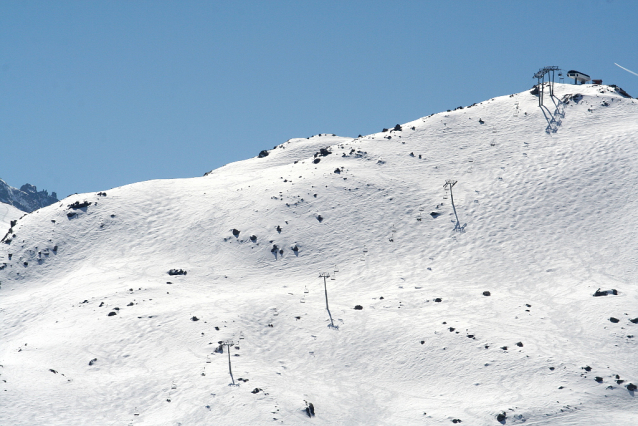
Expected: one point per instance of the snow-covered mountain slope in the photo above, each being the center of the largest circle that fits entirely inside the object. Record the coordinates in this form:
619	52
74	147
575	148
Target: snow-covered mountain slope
8	213
95	331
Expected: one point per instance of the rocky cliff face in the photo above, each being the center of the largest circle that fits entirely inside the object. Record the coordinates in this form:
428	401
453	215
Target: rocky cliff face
27	198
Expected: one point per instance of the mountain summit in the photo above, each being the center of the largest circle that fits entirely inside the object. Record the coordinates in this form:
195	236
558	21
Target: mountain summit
27	198
511	298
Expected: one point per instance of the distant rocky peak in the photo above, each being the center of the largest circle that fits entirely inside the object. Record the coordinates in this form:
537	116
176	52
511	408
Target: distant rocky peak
27	198
31	189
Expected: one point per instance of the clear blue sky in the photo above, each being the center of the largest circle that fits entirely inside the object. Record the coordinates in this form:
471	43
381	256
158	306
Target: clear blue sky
97	94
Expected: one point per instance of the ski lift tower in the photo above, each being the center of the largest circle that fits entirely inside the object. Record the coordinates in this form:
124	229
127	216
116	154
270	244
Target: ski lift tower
540	77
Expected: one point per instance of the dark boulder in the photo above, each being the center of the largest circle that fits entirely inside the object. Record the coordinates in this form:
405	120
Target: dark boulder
599	293
310	409
358	307
263	154
78	205
487	293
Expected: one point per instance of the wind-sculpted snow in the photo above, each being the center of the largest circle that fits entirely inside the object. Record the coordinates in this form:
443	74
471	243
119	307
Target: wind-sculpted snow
115	307
8	214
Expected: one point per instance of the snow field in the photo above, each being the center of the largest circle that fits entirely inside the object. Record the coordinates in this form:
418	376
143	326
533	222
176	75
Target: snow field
546	200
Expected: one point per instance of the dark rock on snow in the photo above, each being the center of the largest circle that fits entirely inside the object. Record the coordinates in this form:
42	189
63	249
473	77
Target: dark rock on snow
323	152
599	293
310	409
78	205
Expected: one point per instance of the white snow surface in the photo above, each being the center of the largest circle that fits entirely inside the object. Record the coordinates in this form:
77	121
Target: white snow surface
547	204
7	214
